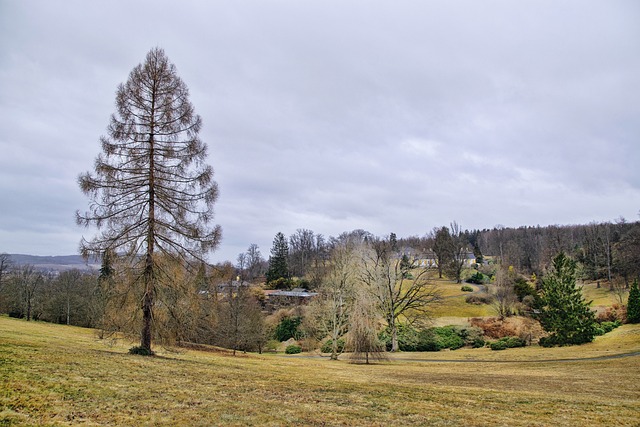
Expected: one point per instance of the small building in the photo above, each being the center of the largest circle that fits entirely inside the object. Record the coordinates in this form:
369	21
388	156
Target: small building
277	298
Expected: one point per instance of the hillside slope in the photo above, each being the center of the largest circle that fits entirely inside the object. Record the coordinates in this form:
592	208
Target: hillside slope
60	375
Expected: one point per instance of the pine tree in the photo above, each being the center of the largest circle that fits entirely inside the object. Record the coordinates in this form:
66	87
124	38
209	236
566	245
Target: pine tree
564	313
633	303
278	267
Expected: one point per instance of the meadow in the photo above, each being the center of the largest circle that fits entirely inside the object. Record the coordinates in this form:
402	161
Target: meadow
56	375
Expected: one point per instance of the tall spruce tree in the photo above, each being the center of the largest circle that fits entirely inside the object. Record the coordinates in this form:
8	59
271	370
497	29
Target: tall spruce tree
151	192
564	312
633	303
278	267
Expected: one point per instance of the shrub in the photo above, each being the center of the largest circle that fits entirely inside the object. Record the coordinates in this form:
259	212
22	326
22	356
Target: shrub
478	278
523	289
478	343
140	351
479	299
513	342
471	335
466	288
281	283
448	337
498	345
606	327
614	313
549	341
272	345
428	341
293	349
407	338
507	342
327	347
288	328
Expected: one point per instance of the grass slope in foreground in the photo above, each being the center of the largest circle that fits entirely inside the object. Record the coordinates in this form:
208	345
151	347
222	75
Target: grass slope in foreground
59	375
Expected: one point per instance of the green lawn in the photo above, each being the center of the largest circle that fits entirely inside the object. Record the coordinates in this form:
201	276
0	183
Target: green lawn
60	375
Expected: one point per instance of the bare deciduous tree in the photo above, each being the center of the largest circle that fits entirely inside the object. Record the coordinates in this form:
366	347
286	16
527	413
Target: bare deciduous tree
400	290
505	298
151	192
328	313
363	331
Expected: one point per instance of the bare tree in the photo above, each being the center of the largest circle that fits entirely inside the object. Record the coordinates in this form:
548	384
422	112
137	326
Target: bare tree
458	253
255	262
400	290
5	267
363	331
28	283
151	192
328	313
505	298
240	321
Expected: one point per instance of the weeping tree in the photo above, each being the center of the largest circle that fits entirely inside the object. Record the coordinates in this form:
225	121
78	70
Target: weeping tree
151	192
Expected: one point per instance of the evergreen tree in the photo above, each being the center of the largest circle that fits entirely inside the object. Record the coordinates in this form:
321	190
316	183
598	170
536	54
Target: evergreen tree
633	304
278	267
565	314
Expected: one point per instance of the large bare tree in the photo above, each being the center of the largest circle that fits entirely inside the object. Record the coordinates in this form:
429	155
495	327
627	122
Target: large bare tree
401	290
151	191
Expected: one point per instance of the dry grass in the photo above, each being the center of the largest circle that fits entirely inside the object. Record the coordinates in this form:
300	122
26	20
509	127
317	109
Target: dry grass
57	375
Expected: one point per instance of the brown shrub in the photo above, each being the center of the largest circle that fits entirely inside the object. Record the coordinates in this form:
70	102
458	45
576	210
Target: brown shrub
611	314
522	327
479	299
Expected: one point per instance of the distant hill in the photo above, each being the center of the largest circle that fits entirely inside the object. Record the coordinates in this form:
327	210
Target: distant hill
55	263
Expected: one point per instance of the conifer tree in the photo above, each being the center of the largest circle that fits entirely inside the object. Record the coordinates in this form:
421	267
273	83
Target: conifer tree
564	312
151	192
633	303
278	267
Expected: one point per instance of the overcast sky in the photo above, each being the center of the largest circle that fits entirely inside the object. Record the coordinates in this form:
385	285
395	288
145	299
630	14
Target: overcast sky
395	116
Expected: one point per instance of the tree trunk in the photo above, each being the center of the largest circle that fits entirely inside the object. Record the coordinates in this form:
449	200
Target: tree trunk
147	305
394	336
149	279
28	308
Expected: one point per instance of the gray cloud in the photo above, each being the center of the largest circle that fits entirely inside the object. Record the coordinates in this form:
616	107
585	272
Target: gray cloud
336	115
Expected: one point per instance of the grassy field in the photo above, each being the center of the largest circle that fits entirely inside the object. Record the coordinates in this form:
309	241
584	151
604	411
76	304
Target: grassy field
59	375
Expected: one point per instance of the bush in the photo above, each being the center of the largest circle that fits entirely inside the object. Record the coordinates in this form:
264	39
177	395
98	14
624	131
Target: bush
550	341
430	339
498	345
448	337
288	328
327	347
478	278
293	349
281	283
272	345
407	338
478	343
523	289
507	342
466	288
479	299
614	313
141	351
606	327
